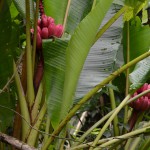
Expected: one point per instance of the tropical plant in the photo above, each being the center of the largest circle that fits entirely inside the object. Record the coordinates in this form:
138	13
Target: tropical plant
56	51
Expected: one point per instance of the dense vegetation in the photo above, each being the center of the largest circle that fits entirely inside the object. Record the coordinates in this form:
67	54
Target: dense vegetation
74	74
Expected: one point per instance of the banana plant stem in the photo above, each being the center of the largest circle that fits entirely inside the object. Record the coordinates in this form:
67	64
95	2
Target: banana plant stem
38	99
47	129
90	94
127	72
33	134
110	120
35	33
113	106
23	103
30	89
109	23
66	14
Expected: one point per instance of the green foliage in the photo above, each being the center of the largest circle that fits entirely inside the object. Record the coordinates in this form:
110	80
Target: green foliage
6	116
78	10
134	3
56	9
120	85
134	6
21	7
77	51
5	44
140	74
64	59
54	72
13	11
139	38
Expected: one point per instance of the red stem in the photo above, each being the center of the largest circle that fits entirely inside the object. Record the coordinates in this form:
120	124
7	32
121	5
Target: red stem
38	73
41	8
133	119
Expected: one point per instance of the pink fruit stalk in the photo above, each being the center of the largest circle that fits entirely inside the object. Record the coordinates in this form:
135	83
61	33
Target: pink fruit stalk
38	41
133	119
41	8
38	75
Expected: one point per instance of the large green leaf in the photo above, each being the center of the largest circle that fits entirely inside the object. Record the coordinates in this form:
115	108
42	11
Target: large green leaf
77	51
6	116
139	38
102	57
5	34
119	2
20	5
14	12
140	74
54	72
78	10
56	9
134	3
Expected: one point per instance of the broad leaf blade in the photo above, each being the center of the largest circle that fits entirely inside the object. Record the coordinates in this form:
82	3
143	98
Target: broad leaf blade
102	57
56	9
5	30
6	116
139	39
78	10
54	72
77	51
20	5
140	74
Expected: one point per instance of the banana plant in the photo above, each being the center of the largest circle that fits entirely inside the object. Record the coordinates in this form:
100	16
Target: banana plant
46	44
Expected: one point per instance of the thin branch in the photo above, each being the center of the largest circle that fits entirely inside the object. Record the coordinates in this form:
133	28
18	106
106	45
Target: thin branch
10	80
66	14
7	84
15	142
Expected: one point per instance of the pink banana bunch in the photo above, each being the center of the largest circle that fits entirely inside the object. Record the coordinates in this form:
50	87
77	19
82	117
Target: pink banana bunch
47	29
142	103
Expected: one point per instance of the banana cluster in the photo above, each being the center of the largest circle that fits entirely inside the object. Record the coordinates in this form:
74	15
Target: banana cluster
47	29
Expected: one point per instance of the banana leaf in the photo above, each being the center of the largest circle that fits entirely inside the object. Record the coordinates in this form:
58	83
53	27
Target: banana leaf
75	55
